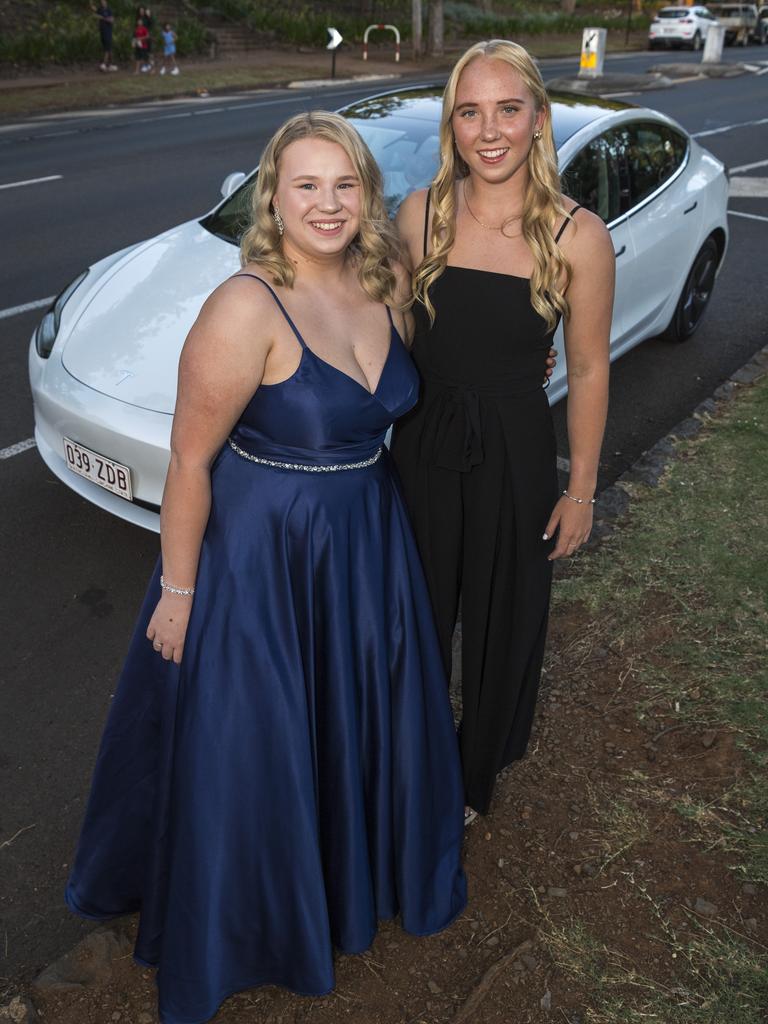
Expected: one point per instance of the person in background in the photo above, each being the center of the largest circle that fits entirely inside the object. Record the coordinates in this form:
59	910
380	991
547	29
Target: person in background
139	43
106	21
169	51
144	14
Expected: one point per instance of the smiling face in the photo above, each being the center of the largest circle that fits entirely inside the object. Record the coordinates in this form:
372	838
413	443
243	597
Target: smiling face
494	118
318	196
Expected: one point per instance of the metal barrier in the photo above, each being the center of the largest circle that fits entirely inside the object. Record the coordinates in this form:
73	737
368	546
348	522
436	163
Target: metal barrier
389	28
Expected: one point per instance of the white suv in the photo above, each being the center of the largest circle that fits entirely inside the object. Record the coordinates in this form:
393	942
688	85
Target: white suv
680	26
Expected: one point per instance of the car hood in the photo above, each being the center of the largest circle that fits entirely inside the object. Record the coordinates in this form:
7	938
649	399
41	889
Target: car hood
126	341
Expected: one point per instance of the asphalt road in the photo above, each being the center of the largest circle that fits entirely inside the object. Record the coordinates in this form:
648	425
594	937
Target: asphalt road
73	577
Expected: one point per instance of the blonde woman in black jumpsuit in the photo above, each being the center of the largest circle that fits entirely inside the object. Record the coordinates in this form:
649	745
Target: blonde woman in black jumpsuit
500	255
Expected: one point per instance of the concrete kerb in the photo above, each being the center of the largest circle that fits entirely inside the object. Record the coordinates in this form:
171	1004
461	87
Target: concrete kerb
701	70
609	83
614	502
320	83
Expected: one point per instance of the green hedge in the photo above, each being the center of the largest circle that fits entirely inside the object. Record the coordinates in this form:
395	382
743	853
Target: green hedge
68	34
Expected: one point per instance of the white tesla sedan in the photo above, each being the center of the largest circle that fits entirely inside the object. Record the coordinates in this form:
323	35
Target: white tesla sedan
103	360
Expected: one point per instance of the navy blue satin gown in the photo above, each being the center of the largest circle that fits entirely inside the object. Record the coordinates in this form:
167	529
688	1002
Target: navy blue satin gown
297	777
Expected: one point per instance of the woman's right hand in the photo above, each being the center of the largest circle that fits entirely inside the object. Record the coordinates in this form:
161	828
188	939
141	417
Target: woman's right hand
167	628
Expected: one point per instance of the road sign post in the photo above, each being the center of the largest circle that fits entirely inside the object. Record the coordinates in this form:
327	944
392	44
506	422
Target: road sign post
713	47
592	52
388	28
335	38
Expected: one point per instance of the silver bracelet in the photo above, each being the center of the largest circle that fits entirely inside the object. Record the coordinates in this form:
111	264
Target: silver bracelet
580	501
184	591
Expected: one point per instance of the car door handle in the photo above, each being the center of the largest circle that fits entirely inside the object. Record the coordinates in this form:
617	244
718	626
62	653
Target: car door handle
621	251
691	208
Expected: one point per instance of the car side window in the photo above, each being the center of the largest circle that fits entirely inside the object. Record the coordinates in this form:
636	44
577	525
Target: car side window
654	153
597	178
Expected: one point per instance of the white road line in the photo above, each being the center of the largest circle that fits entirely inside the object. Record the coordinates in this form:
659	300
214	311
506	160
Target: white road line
17	449
729	128
763	71
32	181
749	167
749	188
26	307
749	216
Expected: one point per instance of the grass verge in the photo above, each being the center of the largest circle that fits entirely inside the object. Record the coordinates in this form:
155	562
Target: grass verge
679	597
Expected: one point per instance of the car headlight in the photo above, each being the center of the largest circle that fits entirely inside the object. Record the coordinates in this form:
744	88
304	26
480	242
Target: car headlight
45	335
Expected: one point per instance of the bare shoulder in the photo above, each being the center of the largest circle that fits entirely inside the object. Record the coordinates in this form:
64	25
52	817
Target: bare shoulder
234	327
585	237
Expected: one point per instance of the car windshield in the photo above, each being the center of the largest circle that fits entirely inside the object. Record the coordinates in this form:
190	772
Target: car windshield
401	130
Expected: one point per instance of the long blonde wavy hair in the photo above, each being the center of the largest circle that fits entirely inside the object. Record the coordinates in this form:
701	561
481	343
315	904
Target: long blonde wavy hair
543	206
375	248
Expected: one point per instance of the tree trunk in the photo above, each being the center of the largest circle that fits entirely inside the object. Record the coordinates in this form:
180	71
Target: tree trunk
486	6
417	45
436	28
567	6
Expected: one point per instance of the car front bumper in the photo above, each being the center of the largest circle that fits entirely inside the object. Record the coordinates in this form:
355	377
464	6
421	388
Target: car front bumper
136	438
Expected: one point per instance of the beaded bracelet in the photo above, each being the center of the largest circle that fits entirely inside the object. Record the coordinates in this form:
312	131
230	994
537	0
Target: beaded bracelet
184	591
580	501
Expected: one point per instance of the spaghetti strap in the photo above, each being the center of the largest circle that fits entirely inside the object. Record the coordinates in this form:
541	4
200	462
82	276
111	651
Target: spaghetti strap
566	221
282	308
426	222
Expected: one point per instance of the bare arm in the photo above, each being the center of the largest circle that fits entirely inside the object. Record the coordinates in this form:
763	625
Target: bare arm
221	366
587	340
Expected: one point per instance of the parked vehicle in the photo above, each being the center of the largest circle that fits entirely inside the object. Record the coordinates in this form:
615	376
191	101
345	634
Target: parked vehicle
742	23
103	362
680	26
762	17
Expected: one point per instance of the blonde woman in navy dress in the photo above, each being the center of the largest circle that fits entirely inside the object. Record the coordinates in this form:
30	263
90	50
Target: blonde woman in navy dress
500	256
280	769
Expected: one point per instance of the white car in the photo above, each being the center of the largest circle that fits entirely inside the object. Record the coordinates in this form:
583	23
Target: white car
103	361
680	26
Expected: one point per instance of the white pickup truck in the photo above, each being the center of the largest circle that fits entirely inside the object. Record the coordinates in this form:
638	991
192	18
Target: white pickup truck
742	23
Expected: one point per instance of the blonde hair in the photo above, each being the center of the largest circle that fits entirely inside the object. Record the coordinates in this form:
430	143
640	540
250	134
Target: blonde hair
375	247
543	206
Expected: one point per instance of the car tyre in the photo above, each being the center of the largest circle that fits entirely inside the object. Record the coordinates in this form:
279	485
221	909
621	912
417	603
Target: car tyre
695	296
696	42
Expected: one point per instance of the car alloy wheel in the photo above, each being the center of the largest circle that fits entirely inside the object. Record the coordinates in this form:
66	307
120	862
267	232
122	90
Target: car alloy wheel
696	294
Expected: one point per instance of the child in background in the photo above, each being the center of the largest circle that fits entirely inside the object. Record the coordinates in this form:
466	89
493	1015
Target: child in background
139	44
169	50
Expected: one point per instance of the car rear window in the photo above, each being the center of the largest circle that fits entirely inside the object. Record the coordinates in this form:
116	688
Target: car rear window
674	12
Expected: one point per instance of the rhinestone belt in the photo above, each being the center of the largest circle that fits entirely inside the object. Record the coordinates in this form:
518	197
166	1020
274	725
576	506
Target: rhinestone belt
333	467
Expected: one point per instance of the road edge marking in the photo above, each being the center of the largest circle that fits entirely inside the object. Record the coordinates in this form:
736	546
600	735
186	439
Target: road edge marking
17	449
25	307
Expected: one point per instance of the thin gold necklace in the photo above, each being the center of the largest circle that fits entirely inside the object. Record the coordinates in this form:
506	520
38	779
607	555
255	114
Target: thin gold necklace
488	227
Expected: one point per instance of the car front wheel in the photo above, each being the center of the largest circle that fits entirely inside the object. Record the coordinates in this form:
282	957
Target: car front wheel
695	296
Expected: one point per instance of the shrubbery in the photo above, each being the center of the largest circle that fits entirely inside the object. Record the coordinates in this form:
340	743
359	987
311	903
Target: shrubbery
68	34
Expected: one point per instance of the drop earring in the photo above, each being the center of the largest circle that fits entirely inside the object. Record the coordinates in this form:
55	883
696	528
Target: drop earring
278	220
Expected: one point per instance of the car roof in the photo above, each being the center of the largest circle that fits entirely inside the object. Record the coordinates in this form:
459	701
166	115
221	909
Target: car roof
570	112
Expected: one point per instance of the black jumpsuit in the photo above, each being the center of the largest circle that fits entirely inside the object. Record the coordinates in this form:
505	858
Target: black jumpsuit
478	462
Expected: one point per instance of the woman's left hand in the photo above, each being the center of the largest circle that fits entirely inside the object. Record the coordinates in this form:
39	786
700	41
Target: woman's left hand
551	363
573	523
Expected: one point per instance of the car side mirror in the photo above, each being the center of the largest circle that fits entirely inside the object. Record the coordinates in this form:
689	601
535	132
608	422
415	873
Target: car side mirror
231	182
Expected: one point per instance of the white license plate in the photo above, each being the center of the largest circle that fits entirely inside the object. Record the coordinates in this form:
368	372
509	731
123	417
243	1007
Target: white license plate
104	472
670	30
